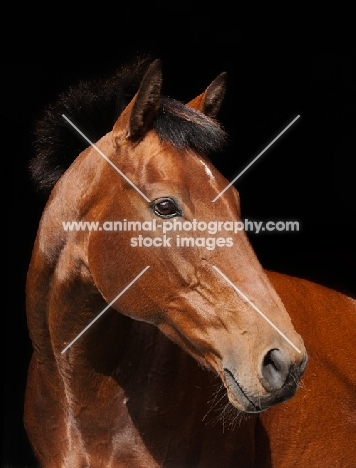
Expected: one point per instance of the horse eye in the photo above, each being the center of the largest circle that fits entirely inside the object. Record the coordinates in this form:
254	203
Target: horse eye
166	208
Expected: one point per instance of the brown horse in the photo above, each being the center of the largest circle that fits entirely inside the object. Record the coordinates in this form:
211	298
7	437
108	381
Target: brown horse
107	384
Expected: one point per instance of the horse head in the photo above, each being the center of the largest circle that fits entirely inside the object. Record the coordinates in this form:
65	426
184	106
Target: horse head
204	289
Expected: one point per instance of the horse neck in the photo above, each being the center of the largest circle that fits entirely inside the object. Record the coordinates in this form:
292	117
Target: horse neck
62	300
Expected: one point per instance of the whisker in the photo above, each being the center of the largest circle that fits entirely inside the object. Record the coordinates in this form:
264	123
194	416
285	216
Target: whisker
222	411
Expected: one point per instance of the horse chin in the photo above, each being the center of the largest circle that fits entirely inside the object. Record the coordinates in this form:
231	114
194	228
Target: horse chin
237	395
241	402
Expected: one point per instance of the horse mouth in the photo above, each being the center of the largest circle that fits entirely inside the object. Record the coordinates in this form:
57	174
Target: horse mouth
238	396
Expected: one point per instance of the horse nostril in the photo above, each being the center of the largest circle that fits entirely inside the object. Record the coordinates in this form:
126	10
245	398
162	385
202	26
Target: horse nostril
275	370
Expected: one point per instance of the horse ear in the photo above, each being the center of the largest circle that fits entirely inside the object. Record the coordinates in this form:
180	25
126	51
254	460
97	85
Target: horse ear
137	116
210	101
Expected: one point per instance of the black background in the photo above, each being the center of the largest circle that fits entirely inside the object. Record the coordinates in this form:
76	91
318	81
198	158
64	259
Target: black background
282	61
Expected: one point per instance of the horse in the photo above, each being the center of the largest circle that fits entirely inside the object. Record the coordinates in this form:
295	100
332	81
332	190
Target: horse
129	330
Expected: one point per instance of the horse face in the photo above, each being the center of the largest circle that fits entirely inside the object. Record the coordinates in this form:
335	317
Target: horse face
192	290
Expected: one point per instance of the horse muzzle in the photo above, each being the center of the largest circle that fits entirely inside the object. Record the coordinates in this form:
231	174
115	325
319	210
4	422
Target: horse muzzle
279	380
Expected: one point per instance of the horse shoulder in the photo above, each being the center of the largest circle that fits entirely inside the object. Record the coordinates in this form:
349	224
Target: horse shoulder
317	427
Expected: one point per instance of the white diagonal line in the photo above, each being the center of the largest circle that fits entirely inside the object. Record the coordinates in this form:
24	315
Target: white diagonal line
106	158
249	165
104	310
256	308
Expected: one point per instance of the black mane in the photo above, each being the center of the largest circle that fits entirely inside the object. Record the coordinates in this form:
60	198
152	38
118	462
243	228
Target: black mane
94	107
